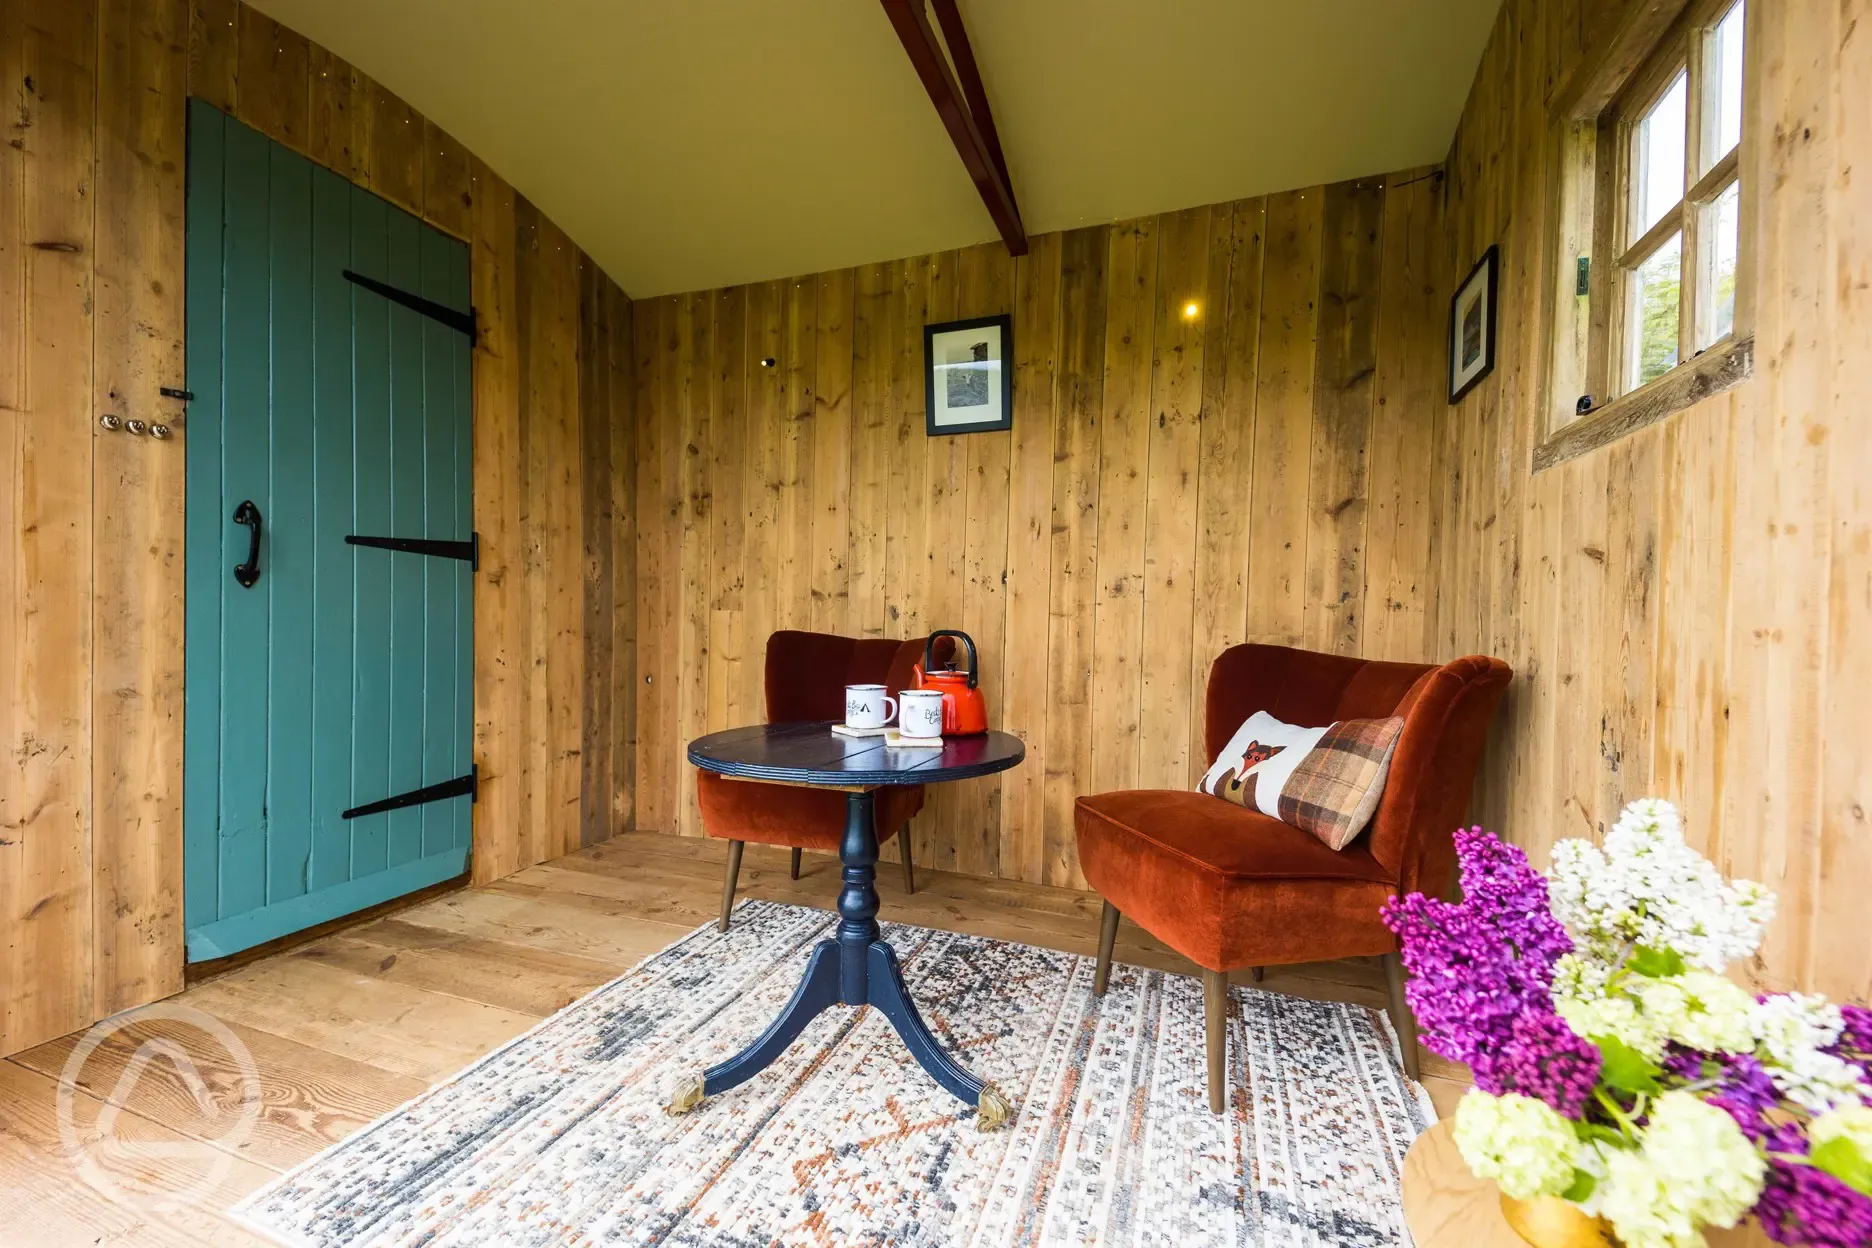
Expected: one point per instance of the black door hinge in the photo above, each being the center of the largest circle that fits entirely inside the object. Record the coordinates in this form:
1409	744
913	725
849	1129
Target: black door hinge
468	552
463	321
468	786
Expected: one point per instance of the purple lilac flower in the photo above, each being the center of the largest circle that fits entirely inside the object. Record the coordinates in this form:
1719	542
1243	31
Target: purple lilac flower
1743	1088
1855	1042
1804	1205
1544	1059
1479	965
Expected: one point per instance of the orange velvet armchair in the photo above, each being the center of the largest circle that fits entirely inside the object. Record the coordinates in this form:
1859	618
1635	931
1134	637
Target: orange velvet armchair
806	678
1231	888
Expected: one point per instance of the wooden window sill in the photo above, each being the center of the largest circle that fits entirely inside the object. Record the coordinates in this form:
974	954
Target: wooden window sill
1728	363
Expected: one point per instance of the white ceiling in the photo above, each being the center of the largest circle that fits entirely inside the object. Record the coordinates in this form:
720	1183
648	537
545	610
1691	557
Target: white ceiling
694	143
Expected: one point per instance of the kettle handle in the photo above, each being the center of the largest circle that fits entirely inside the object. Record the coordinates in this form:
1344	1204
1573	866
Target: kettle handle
968	643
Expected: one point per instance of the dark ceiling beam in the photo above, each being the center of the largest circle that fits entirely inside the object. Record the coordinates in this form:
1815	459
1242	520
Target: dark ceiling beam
963	106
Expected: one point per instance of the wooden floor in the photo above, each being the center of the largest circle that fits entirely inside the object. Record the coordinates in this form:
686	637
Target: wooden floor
352	1024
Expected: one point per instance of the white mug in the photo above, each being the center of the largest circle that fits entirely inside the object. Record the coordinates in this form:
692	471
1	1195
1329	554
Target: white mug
920	712
868	706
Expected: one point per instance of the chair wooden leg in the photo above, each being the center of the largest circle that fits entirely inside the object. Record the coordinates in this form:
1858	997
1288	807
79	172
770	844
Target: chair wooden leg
1108	934
1215	1014
1257	973
909	868
796	858
728	881
1401	1016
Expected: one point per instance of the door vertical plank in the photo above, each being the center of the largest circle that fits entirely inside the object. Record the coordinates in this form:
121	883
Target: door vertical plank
288	567
245	476
407	595
45	531
207	510
334	563
370	705
438	522
137	684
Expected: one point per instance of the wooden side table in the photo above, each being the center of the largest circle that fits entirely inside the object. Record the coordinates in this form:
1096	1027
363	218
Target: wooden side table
1445	1205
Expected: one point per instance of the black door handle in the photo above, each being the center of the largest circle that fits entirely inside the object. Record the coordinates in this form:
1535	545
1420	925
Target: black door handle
249	572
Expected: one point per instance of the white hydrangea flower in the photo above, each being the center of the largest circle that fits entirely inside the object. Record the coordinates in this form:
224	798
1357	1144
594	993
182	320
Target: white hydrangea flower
1618	1017
1791	1030
1701	1010
1851	1122
1647	887
1694	1168
1527	1148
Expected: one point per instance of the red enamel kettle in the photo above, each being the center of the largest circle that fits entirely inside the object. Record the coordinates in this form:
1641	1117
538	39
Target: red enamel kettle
964	713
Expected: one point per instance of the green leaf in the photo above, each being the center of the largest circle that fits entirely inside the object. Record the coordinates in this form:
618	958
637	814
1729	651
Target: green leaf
1841	1158
1590	1131
1582	1189
1625	1068
1656	963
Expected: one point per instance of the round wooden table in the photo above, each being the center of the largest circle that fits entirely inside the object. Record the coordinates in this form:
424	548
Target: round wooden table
857	966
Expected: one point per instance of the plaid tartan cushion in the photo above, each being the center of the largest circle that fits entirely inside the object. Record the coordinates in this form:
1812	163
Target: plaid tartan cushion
1334	789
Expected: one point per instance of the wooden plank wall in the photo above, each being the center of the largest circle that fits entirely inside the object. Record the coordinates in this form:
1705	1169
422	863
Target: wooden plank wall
1173	484
1689	609
91	555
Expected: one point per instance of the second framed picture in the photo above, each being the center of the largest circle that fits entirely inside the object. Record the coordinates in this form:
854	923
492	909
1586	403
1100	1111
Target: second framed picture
969	375
1472	326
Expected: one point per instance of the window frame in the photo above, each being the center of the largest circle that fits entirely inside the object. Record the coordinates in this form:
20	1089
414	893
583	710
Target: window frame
1594	119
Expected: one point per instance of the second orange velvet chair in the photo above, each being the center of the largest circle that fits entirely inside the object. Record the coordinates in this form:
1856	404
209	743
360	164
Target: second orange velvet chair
806	678
1231	888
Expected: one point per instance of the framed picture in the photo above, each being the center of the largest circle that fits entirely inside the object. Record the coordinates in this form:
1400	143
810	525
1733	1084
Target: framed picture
969	375
1472	326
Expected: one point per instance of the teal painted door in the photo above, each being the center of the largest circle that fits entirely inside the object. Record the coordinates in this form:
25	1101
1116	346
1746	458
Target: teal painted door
341	676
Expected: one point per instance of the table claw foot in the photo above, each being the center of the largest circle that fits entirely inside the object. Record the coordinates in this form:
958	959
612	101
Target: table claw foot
991	1109
689	1094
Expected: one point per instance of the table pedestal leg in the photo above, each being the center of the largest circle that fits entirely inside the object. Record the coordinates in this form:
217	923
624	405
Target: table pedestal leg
853	968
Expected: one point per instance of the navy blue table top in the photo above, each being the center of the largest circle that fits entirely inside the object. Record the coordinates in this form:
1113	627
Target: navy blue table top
814	754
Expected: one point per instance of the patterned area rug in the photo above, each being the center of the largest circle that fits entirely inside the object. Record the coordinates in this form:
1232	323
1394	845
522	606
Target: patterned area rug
560	1136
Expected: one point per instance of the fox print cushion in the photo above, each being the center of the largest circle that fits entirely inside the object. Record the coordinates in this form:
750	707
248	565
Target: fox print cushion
1324	781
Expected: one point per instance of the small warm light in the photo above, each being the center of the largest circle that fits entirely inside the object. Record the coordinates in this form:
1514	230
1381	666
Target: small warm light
1191	310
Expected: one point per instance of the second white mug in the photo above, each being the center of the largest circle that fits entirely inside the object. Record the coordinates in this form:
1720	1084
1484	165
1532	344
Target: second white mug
919	712
868	706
